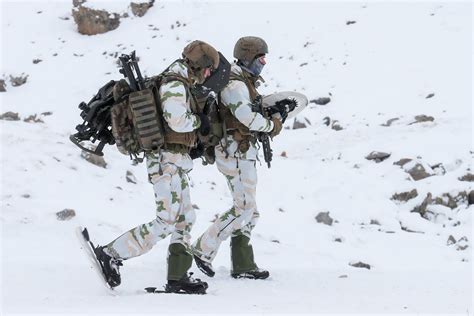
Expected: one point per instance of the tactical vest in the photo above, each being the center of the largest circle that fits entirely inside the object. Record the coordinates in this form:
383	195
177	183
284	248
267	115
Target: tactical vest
233	126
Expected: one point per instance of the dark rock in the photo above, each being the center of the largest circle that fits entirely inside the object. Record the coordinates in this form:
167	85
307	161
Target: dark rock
275	241
405	196
65	214
430	95
336	126
343	276
94	159
360	264
33	119
298	124
390	121
47	113
36	61
418	172
130	177
421	209
303	64
451	240
374	222
283	154
351	22
140	9
26	196
3	86
467	177
323	217
338	239
327	121
10	116
377	156
18	81
195	207
422	118
91	22
281	210
448	200
321	101
402	162
77	3
470	198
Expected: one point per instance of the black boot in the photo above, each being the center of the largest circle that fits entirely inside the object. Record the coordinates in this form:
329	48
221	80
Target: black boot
204	266
187	284
252	274
110	266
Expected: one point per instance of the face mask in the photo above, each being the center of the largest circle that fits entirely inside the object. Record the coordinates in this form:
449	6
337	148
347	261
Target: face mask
255	68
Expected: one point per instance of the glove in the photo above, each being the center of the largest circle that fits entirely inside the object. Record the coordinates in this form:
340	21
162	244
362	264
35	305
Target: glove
205	127
284	107
277	126
197	151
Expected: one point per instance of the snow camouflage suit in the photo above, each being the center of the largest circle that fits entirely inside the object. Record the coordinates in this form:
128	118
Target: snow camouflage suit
168	172
239	168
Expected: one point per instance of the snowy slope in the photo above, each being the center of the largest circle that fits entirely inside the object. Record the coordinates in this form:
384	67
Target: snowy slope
381	67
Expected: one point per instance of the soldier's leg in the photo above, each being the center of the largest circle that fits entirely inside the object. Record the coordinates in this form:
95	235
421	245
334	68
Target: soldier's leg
179	257
142	238
242	185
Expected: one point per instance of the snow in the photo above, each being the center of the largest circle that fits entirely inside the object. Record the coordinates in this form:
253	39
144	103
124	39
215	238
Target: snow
381	67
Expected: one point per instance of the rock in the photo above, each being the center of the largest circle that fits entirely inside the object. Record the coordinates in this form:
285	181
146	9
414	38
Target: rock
467	177
418	171
470	198
377	156
351	22
390	121
439	169
65	214
298	124
402	162
360	264
448	200
18	81
94	159
77	3
275	241
421	209
130	177
33	119
327	121
451	240
321	101
2	86
281	210
10	116
303	64
140	9
36	61
430	95
343	276
336	126
26	196
338	239
323	217
195	207
91	22
374	222
422	118
405	196
283	154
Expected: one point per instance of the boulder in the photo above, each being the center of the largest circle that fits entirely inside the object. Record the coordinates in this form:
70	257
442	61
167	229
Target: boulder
377	156
422	118
91	22
2	86
10	116
321	101
130	177
360	264
297	124
323	217
418	170
140	9
94	159
469	177
65	214
405	196
19	80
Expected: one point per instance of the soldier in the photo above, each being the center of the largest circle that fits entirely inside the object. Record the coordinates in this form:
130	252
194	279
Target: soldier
236	157
168	172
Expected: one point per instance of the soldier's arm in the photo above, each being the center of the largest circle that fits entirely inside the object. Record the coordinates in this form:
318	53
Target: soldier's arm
237	98
176	109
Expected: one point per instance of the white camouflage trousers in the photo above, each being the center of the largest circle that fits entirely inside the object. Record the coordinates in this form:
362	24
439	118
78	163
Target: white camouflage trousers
241	175
175	215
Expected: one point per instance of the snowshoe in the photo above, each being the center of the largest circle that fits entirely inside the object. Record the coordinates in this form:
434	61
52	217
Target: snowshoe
253	274
204	266
187	285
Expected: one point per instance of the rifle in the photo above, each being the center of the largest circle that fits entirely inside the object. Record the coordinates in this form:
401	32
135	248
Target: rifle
263	137
97	123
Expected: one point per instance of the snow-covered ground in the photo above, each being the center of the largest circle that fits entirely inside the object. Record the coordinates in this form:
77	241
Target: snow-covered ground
381	67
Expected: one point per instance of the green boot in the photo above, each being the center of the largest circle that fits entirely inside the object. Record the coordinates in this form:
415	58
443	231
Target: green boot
179	261
241	254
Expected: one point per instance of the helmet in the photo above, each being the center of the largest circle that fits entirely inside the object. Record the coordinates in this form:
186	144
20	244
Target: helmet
199	55
249	47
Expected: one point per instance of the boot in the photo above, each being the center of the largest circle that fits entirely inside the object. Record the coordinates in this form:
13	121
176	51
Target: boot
187	284
204	266
110	266
253	274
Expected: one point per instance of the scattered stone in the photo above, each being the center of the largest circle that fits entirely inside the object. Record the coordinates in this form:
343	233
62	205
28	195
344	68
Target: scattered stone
195	207
18	81
343	276
94	159
336	126
451	240
360	264
283	154
321	101
275	241
460	248
439	169
451	201
119	188
327	121
430	95
65	214
2	86
47	113
418	171
281	210
405	196
26	196
374	222
402	162
140	9
470	198
36	61
303	64
10	116
77	3
91	22
338	239
390	121
377	156
33	119
421	209
323	217
404	228
130	177
298	124
422	118
467	177
351	22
